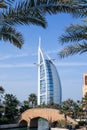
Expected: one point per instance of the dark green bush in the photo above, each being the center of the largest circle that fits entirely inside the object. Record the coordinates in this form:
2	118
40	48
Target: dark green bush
81	123
77	127
4	120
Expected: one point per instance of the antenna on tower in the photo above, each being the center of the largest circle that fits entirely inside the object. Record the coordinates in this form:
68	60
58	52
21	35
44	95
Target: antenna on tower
39	42
49	58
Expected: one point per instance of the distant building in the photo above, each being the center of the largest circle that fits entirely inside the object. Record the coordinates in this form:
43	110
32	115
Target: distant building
49	86
84	85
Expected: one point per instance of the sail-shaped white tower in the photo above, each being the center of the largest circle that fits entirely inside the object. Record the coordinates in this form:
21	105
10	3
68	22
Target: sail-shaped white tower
49	86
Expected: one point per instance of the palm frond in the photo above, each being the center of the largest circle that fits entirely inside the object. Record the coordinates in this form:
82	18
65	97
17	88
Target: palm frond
9	2
23	15
6	3
33	11
73	49
78	8
10	34
74	33
2	4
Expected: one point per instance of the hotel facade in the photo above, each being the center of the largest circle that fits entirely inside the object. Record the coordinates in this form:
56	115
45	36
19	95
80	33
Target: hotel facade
49	86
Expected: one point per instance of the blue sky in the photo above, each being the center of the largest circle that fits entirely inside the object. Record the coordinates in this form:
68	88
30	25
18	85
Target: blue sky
18	74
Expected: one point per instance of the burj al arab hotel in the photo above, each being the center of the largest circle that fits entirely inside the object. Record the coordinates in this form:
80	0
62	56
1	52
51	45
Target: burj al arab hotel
49	86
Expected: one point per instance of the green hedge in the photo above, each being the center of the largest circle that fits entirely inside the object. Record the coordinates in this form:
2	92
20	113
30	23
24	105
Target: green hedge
81	123
4	121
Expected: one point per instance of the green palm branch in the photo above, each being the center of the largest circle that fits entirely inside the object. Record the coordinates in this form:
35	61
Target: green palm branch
8	33
5	3
2	5
34	12
1	90
76	35
73	49
33	99
8	1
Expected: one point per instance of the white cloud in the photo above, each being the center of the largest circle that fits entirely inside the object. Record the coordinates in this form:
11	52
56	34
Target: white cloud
50	52
10	56
16	65
70	64
4	57
32	65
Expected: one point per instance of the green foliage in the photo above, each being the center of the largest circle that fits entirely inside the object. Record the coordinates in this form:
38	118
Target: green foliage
32	99
61	123
34	12
50	105
84	102
11	106
10	34
1	96
1	90
81	123
4	120
24	106
76	35
71	108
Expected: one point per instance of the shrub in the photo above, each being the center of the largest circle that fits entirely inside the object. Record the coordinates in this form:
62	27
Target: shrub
4	120
81	123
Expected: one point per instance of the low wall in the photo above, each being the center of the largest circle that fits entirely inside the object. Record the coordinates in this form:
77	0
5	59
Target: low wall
58	129
9	126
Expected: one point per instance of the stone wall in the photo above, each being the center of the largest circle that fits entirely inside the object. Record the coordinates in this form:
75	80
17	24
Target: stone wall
9	126
58	129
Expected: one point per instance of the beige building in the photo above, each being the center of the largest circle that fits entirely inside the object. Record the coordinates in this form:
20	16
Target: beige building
84	85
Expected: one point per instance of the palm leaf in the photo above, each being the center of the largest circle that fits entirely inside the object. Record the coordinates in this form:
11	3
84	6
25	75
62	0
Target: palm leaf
2	4
9	2
6	3
33	11
74	33
78	8
23	15
73	49
10	34
1	90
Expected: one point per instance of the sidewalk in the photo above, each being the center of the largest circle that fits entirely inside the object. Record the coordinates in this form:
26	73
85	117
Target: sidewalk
84	128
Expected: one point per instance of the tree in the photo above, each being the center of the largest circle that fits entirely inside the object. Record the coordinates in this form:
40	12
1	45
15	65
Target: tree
84	106
79	112
31	12
24	106
1	93
33	99
11	106
70	108
84	102
76	36
1	97
1	90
